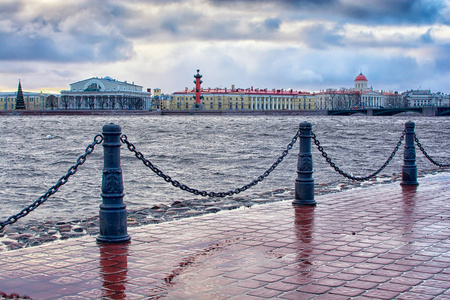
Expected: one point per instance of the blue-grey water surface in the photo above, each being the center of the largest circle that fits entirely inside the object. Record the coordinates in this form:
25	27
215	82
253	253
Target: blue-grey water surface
217	153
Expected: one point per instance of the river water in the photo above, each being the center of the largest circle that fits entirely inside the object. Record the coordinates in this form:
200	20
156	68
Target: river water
217	153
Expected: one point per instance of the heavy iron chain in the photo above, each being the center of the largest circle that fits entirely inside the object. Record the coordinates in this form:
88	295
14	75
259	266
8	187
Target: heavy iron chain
186	188
337	169
98	139
426	154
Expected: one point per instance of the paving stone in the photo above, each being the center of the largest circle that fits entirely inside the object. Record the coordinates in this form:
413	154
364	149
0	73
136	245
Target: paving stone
381	294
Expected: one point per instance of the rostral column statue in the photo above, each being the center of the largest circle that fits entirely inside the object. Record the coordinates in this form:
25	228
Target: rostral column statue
198	97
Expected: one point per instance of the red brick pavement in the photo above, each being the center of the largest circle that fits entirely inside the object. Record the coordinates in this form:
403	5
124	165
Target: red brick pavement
382	242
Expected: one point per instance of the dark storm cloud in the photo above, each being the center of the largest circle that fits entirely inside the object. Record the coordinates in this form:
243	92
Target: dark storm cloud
319	36
272	24
375	12
15	47
170	26
395	12
9	7
443	60
61	34
292	3
25	48
426	37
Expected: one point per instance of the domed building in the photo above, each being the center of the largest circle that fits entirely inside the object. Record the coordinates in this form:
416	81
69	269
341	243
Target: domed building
105	93
360	96
360	82
369	97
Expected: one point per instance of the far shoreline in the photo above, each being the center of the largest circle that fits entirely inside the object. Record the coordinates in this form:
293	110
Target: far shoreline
108	112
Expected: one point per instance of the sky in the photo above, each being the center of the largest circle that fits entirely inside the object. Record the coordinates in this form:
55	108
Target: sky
307	45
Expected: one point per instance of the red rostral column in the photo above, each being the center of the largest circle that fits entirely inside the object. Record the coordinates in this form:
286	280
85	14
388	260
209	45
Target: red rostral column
198	97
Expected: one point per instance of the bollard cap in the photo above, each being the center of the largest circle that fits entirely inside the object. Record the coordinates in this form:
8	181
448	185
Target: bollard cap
305	125
112	128
410	124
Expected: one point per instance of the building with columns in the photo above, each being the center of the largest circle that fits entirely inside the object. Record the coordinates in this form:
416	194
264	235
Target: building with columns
105	93
244	99
420	98
369	97
360	96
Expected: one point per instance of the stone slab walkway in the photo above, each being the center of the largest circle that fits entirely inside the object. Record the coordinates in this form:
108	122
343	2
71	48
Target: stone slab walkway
382	242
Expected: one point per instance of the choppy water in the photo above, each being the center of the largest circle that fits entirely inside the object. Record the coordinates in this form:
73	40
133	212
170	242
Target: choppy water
217	153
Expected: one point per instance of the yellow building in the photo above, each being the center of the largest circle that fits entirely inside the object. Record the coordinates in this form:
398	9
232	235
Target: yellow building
243	99
33	101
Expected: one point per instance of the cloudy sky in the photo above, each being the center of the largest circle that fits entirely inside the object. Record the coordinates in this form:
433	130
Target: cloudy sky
301	44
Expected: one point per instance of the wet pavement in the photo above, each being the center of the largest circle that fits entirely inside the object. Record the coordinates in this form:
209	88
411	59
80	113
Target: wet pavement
383	242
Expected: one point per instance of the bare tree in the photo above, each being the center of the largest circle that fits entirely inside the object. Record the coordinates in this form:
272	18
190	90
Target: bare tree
101	101
395	101
65	100
333	99
112	102
78	102
120	101
91	102
51	102
355	99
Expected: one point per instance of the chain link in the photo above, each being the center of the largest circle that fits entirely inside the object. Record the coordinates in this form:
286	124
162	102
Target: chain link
186	188
426	154
98	139
337	169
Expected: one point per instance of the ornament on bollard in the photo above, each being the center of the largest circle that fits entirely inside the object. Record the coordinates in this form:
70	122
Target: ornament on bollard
304	184
113	213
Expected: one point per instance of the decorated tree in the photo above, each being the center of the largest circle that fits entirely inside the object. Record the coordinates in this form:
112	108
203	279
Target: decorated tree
20	102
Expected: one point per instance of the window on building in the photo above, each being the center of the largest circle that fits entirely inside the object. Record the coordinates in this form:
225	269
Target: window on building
211	105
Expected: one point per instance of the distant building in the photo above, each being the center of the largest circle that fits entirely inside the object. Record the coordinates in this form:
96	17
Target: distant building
245	99
105	93
360	96
420	98
160	100
32	100
239	99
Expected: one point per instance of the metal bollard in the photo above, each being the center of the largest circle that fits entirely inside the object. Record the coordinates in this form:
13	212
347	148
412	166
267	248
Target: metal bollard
409	168
304	184
113	213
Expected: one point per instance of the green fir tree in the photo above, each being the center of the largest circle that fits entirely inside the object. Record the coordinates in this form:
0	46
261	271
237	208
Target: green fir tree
20	102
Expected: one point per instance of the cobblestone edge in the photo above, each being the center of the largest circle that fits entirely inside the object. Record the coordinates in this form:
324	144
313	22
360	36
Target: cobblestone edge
19	236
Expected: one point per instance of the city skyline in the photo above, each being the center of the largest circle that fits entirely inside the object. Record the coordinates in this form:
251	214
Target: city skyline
299	44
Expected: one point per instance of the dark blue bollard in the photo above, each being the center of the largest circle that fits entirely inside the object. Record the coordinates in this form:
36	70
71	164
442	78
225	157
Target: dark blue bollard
409	168
113	213
304	184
